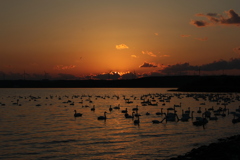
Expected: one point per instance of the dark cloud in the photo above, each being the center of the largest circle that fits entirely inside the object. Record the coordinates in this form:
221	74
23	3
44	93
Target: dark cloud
214	66
179	68
232	18
129	76
146	64
111	75
212	14
199	23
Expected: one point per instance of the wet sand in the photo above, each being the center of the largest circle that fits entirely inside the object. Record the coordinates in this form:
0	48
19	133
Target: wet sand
224	149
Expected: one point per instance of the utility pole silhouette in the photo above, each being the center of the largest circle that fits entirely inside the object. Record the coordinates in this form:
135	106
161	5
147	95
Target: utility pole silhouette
3	76
134	74
45	75
24	75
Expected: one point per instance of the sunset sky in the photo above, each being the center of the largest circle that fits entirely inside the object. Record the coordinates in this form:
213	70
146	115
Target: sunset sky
79	38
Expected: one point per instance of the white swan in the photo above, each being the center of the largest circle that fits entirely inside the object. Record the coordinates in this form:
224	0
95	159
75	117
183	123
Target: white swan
147	113
93	108
77	114
103	117
157	121
136	121
117	107
199	110
125	111
110	108
129	116
135	109
160	113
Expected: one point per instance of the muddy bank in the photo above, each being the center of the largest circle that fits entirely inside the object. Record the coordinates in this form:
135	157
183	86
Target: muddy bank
224	149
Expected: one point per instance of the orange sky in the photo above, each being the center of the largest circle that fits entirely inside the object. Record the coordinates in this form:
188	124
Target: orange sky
82	38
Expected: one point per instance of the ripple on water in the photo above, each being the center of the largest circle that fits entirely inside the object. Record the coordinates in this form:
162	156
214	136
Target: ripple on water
50	131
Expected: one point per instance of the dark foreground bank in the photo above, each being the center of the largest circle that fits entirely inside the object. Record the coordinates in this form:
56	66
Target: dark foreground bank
224	149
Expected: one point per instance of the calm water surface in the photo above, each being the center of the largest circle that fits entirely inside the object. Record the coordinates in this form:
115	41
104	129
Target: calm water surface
40	123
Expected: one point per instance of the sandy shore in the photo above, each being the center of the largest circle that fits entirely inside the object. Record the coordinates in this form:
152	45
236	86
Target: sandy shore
224	149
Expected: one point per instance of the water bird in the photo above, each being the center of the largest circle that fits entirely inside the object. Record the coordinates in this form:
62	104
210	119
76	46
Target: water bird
117	107
137	115
103	117
238	110
213	118
125	111
129	116
199	110
160	113
157	121
16	103
236	118
77	114
186	116
211	109
110	108
176	105
172	117
93	108
207	113
200	121
137	121
135	109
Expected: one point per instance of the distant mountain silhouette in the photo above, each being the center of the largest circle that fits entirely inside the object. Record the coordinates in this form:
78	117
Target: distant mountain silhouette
183	83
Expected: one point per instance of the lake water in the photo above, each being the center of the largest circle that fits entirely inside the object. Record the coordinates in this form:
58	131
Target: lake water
40	123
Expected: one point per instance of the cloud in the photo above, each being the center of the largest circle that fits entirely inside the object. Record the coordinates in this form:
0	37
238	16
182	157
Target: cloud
122	46
146	64
156	34
149	53
185	35
129	75
62	67
199	23
212	14
233	63
202	39
133	56
164	55
237	49
232	18
105	76
178	68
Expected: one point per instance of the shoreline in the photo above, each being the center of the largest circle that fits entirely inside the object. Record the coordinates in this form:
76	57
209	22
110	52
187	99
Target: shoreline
224	149
182	83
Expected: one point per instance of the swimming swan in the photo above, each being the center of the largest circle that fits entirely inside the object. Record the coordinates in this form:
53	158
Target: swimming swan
77	114
103	117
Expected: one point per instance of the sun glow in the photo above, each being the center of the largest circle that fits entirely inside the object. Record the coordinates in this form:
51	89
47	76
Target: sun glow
117	73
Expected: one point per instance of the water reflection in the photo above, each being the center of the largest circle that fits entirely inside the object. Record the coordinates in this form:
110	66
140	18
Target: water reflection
44	125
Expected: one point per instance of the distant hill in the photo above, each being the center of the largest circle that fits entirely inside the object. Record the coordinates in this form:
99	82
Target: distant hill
212	84
183	83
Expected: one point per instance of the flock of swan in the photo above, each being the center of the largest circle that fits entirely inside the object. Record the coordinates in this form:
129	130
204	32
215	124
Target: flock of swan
205	114
175	113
